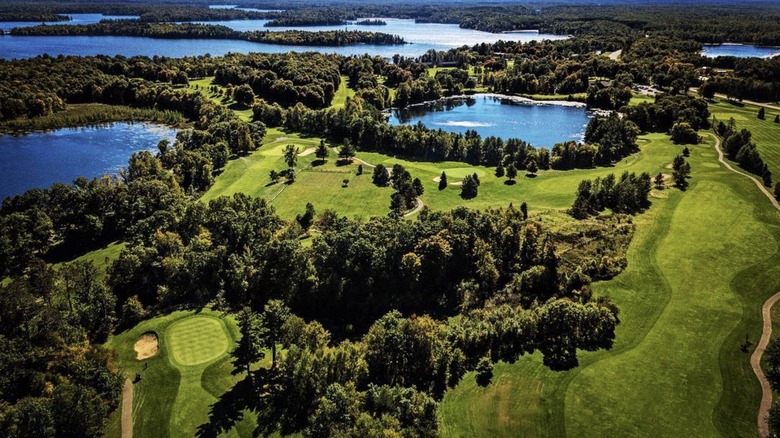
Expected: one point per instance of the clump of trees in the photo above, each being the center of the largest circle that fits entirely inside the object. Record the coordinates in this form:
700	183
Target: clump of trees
676	114
739	147
407	190
629	194
681	170
169	30
469	187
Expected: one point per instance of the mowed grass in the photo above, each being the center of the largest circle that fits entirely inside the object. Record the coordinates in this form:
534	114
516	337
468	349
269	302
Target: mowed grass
700	266
549	189
322	185
191	370
203	85
766	133
342	93
197	340
102	258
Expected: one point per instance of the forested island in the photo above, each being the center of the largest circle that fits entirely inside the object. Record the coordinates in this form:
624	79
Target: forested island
294	264
370	22
207	31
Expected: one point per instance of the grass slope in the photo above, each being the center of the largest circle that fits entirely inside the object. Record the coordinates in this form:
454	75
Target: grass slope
191	370
320	185
701	264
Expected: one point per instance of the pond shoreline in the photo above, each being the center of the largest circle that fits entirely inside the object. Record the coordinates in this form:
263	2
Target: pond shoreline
514	98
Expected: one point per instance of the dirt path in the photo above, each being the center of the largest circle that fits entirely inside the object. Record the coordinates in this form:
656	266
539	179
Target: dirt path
755	363
758	183
419	207
766	315
127	409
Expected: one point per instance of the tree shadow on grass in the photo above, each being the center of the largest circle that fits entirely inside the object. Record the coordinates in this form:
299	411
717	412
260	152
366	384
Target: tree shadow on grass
228	410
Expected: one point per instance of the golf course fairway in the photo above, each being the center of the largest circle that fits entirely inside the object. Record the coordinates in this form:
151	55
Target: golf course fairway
701	265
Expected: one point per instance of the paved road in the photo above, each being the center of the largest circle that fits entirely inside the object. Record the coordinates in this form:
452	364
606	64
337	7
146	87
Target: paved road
749	102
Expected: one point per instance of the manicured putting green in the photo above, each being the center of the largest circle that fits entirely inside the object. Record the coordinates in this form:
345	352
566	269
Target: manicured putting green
197	340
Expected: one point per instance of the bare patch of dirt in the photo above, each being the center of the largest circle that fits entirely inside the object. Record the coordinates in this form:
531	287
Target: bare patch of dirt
146	346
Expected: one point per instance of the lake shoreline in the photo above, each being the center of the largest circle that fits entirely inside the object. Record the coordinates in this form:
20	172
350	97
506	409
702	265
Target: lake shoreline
514	98
538	122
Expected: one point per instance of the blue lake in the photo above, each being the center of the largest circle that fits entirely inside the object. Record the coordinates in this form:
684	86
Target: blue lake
423	36
75	19
537	124
40	159
740	51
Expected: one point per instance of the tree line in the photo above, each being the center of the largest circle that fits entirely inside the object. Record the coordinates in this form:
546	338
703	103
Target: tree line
209	31
609	138
739	147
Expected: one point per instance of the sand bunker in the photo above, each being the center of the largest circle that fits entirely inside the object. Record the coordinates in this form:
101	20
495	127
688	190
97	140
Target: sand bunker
146	346
308	151
457	183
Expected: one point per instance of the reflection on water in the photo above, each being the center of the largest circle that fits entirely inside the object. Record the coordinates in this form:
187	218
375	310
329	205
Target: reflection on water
538	124
740	51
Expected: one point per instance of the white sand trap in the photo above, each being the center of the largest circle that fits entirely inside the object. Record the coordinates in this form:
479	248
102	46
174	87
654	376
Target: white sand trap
457	183
146	346
307	152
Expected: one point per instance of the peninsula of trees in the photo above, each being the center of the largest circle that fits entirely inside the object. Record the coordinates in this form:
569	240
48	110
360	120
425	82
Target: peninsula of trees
206	31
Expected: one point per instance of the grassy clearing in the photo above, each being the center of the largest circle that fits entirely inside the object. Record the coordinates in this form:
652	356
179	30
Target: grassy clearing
343	92
548	190
700	266
103	257
636	99
179	384
203	85
322	185
766	133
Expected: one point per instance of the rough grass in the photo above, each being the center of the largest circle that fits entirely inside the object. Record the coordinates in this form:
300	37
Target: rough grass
172	399
701	264
102	258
